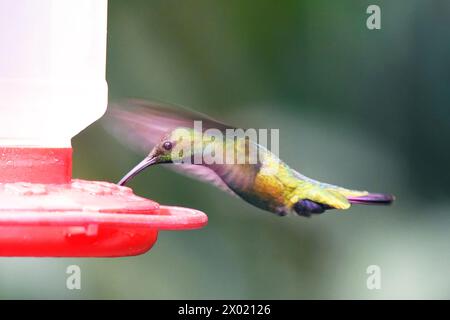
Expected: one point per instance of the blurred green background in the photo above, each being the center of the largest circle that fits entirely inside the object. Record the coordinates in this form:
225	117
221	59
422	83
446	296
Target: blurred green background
359	108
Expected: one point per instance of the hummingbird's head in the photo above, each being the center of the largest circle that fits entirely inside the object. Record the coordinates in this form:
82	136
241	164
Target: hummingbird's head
175	147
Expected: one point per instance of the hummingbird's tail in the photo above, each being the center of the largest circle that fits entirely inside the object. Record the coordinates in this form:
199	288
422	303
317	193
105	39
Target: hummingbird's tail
335	197
360	197
339	198
372	199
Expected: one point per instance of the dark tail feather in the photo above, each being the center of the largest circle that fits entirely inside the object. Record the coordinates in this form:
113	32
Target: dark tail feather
307	207
373	199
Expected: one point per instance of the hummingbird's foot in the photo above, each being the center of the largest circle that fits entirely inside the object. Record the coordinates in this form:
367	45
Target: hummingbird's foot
281	211
307	207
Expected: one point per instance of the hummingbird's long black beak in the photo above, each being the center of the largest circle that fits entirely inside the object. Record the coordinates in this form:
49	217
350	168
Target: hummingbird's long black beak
147	162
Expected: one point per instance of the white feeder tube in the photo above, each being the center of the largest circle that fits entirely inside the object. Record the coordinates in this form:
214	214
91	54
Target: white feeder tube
52	70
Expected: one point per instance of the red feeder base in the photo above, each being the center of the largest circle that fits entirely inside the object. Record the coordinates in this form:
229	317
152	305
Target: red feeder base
78	218
83	219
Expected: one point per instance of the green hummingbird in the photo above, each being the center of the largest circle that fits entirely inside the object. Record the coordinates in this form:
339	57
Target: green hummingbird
251	171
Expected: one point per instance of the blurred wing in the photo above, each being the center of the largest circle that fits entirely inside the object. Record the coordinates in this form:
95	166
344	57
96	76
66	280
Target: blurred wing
202	174
141	124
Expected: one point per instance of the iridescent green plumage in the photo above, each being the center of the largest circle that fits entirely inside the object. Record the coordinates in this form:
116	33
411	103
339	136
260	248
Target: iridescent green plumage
263	180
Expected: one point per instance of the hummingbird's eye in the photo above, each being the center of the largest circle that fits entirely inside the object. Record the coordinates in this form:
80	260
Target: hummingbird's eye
167	145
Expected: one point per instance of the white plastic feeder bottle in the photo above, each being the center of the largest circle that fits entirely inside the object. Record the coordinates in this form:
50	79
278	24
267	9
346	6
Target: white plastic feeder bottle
52	70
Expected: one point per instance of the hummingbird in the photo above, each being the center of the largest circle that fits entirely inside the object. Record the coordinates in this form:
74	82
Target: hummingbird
168	135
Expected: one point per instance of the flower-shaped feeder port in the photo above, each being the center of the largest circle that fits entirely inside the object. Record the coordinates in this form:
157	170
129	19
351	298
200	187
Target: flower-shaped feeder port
76	218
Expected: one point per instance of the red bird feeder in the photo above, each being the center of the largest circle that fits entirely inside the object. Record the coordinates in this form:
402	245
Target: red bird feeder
52	61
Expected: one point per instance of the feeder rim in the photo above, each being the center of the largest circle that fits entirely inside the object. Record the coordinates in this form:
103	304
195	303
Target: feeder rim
168	218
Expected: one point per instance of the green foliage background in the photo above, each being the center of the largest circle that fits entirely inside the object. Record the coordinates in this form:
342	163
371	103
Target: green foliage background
358	108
